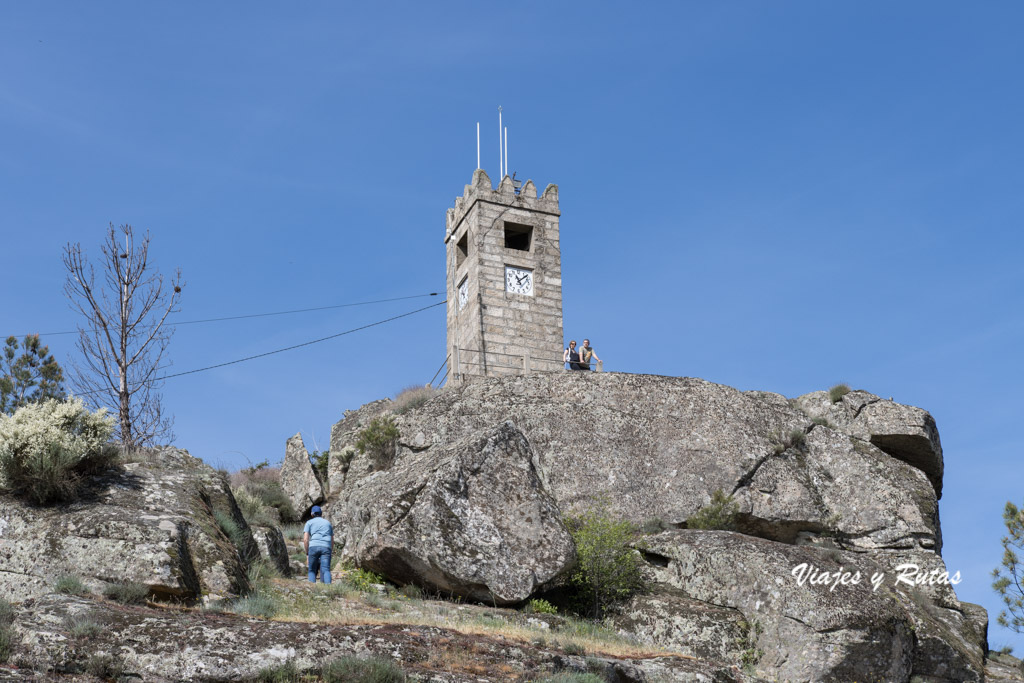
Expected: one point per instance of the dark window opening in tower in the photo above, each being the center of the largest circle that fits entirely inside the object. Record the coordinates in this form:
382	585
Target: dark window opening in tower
518	236
463	250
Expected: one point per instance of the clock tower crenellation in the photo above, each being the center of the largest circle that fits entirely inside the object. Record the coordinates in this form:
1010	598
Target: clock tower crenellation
504	280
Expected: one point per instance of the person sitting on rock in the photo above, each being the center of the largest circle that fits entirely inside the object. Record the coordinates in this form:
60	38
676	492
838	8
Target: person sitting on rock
318	540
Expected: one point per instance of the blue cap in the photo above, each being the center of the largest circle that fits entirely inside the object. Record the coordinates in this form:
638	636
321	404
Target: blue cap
316	511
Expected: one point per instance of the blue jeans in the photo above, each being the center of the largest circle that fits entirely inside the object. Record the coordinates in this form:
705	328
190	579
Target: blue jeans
319	558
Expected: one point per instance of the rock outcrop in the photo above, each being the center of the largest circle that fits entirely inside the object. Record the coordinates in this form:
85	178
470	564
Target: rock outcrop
160	646
657	449
904	432
158	522
298	479
469	518
815	630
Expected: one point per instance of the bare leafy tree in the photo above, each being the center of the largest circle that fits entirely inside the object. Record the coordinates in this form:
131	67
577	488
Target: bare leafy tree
124	339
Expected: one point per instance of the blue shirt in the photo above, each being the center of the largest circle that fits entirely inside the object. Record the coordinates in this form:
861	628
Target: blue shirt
320	531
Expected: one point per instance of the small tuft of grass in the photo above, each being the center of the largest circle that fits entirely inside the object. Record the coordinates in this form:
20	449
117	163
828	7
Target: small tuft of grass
69	584
411	591
229	526
292	532
6	643
6	612
105	666
572	677
128	593
836	393
362	670
822	422
412	398
255	605
82	626
796	438
573	648
280	673
260	576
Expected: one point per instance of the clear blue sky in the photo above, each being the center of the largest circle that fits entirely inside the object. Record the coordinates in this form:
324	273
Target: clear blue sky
774	196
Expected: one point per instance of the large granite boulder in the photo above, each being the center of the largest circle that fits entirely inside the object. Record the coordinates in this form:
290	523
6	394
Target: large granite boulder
162	521
904	432
737	597
659	447
299	479
471	517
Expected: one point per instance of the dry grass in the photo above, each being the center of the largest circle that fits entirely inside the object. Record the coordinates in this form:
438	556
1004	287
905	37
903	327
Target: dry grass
412	397
261	475
352	607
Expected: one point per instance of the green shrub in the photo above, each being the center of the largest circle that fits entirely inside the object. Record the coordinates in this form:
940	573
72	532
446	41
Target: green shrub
320	461
836	393
69	584
750	654
128	593
822	421
281	673
345	458
292	532
720	514
48	449
571	648
263	484
230	527
378	440
412	398
255	511
363	580
6	632
607	569
352	669
540	606
6	612
256	604
7	640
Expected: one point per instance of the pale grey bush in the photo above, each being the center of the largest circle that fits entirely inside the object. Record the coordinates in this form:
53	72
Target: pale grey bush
46	449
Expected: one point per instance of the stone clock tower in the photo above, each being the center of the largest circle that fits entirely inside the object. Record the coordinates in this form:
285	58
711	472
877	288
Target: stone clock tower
504	280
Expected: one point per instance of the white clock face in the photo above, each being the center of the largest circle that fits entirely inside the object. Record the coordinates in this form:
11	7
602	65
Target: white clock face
463	294
518	280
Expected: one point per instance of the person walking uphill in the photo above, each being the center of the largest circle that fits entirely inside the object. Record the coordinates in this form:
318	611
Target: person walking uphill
318	540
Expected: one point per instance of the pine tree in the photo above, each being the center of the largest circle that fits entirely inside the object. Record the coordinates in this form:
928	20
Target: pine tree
31	377
1009	577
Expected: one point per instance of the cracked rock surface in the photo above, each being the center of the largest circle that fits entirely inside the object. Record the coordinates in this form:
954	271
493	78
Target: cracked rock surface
659	447
153	522
470	517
